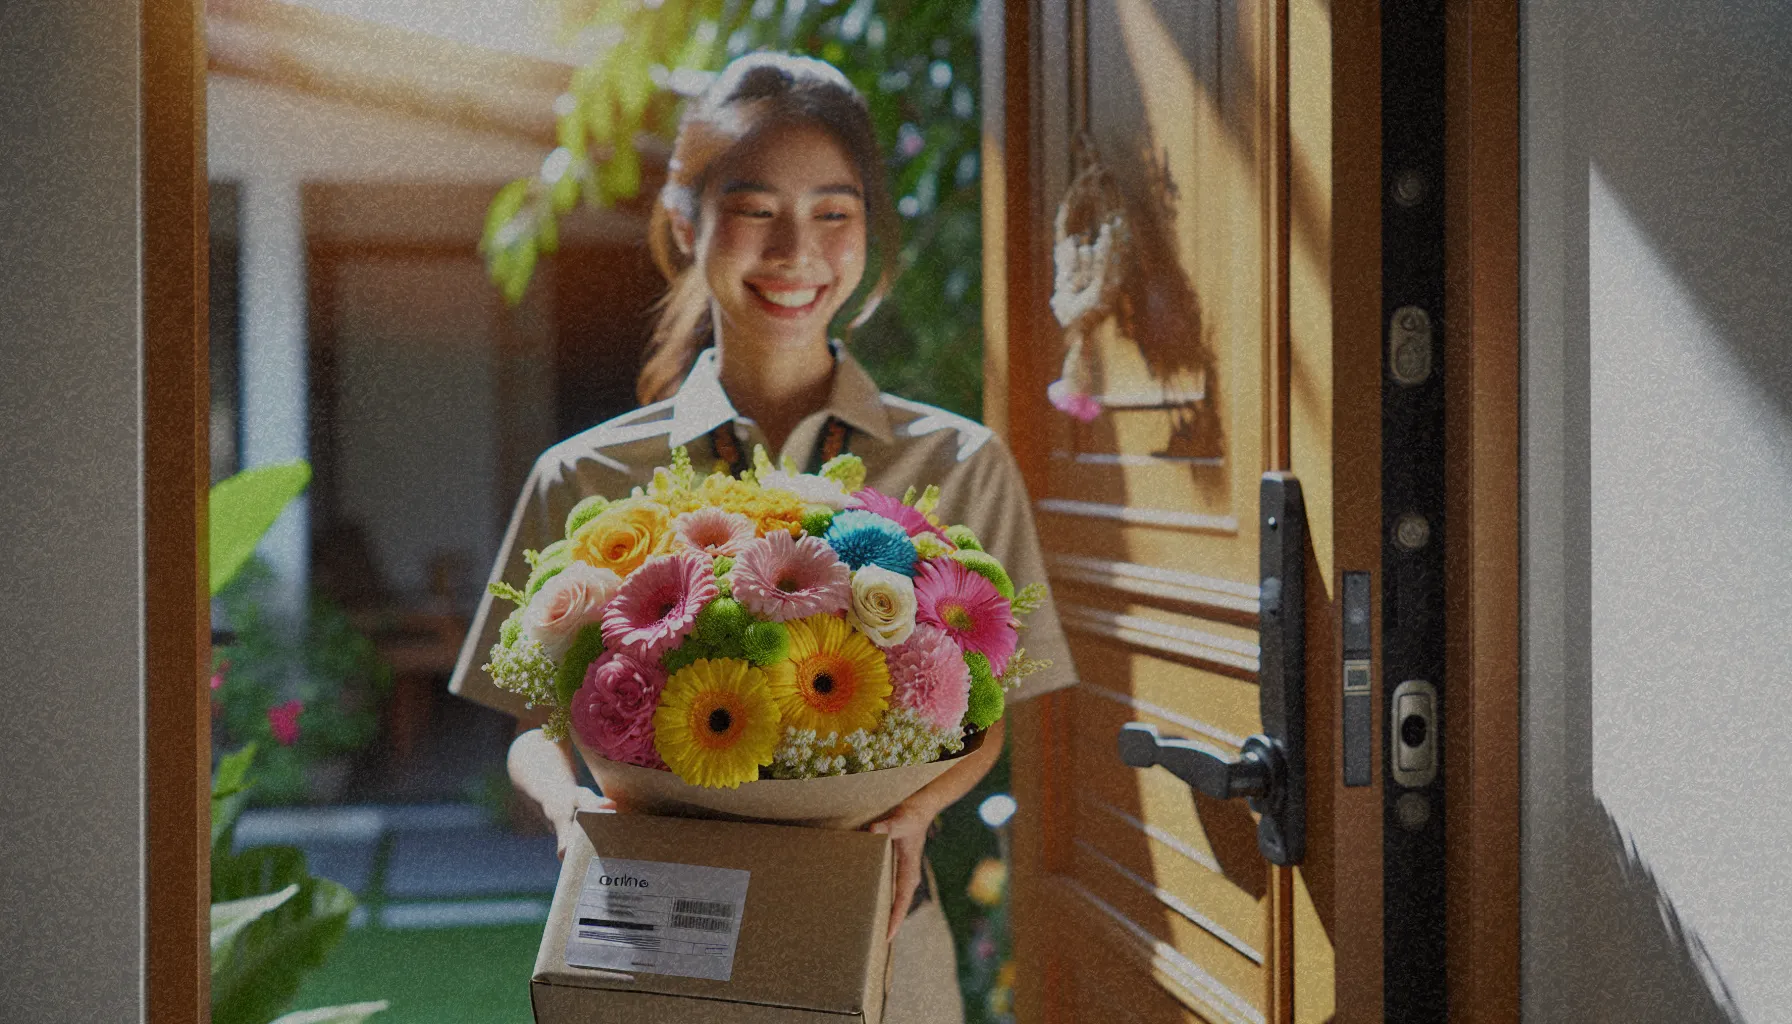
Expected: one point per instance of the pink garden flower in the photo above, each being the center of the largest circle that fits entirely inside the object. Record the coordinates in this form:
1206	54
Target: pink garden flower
713	531
283	720
613	710
905	516
658	603
929	677
781	578
967	607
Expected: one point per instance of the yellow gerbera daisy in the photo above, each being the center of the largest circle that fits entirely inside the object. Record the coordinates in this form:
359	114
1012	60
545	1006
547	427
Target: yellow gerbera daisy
836	680
716	723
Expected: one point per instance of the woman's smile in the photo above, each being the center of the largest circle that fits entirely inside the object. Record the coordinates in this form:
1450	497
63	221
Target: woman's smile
787	301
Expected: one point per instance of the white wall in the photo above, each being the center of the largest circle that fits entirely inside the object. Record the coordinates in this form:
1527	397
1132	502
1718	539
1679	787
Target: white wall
71	609
1658	548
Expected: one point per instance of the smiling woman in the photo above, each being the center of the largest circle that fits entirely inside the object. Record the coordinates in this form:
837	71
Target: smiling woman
774	222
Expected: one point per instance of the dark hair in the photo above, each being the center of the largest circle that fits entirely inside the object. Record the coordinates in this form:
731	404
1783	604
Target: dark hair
752	94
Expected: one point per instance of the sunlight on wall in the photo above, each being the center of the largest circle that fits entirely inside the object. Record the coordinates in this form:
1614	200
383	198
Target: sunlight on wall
1692	612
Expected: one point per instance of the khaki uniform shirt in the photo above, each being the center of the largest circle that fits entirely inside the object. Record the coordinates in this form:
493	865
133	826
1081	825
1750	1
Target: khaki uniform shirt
902	443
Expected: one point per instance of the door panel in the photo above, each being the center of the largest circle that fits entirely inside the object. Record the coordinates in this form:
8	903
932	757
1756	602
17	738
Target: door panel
1138	898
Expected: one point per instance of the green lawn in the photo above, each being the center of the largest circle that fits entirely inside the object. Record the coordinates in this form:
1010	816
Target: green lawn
433	975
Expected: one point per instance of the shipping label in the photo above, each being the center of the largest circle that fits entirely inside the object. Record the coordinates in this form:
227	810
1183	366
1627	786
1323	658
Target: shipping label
652	917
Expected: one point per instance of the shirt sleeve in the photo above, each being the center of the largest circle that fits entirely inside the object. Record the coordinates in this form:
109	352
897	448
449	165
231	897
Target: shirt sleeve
557	482
994	504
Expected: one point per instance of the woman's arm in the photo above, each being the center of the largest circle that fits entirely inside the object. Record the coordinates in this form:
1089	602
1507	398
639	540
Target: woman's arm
543	771
907	824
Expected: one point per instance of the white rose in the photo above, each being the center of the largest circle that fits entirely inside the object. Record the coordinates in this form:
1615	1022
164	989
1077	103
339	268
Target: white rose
816	490
570	600
883	605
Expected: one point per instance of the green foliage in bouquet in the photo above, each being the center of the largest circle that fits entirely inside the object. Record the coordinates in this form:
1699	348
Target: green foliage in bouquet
916	62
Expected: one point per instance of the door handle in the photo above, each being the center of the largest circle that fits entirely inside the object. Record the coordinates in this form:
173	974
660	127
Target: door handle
1270	770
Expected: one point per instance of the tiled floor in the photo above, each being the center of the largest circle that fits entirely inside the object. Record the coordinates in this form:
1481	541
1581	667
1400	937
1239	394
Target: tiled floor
417	865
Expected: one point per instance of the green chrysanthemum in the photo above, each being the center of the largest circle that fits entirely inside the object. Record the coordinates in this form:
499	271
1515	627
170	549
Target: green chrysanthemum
684	654
817	519
985	565
981	670
724	564
585	511
546	565
963	537
511	629
986	699
586	648
766	642
719	620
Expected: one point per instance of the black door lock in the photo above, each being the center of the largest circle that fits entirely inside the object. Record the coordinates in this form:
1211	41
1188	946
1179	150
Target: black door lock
1270	770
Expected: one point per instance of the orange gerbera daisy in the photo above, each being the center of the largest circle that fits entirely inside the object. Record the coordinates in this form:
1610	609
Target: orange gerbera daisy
835	681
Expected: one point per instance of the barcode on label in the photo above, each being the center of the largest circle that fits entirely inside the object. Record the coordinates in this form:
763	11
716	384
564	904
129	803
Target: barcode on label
707	908
702	924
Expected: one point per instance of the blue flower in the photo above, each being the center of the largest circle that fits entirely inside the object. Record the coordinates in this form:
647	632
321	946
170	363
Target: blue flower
864	538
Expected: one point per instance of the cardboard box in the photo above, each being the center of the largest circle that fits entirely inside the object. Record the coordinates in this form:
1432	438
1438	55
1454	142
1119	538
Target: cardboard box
659	919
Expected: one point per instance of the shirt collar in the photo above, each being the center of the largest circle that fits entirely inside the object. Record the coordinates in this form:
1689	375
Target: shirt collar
701	405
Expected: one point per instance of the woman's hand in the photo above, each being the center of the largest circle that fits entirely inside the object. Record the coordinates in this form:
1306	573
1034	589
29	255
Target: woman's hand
566	823
907	828
543	771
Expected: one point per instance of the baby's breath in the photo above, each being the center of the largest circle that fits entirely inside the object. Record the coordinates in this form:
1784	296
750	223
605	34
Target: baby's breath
524	668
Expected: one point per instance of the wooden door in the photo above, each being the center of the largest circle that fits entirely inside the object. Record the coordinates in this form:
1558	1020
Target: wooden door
1234	350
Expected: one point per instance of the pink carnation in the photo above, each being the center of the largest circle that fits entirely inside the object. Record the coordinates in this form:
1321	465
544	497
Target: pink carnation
929	677
967	607
713	531
658	604
613	710
781	578
905	516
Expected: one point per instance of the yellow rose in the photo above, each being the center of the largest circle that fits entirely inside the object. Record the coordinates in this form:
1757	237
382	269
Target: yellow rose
623	535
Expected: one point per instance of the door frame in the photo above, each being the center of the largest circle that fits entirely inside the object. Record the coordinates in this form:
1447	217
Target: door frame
176	483
1481	361
1481	443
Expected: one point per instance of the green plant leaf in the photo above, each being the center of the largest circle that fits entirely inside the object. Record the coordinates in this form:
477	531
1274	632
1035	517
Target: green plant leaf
353	1013
230	790
272	955
242	510
505	205
232	916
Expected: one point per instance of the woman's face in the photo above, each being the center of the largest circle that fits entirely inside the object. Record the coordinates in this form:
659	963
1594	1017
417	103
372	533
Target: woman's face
781	237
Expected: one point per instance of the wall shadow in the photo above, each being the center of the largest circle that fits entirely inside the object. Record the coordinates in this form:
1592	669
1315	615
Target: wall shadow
1689	108
1635	960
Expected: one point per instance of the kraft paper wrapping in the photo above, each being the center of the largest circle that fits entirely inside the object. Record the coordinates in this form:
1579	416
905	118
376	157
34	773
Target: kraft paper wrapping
837	801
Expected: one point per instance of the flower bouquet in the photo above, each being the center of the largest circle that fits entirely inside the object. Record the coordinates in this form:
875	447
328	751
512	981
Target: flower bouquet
775	646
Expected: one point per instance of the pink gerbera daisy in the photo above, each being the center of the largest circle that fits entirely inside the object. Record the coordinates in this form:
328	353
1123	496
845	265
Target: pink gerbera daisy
905	516
967	607
780	578
929	677
713	531
658	603
613	710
